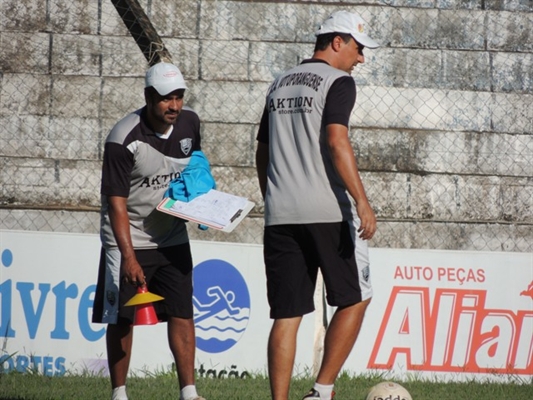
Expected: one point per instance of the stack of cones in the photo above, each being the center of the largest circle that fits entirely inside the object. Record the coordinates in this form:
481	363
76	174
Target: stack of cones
144	309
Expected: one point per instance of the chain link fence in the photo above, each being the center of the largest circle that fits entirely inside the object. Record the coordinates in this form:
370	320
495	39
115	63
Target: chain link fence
442	127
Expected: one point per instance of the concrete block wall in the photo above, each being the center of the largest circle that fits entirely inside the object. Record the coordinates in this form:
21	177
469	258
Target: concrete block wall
443	125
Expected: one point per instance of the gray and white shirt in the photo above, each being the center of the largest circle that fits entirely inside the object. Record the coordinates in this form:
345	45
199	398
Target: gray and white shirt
302	184
139	164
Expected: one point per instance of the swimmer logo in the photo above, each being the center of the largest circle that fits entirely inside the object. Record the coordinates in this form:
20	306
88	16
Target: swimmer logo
221	305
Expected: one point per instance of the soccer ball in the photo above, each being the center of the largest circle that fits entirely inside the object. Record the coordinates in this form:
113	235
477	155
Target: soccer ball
388	391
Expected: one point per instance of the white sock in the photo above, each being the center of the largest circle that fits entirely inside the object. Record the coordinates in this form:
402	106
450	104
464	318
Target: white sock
324	390
119	393
188	392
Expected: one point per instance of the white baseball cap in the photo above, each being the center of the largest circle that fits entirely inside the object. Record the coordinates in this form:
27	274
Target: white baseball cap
346	22
165	78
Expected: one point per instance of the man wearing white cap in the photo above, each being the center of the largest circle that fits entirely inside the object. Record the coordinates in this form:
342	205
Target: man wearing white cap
140	245
310	181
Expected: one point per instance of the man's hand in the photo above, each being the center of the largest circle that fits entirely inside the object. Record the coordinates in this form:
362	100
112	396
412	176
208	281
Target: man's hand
132	272
368	221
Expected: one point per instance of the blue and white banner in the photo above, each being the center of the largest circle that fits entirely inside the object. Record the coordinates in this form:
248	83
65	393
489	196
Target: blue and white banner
47	284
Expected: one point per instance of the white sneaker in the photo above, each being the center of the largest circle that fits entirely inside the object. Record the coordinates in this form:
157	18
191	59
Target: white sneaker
119	394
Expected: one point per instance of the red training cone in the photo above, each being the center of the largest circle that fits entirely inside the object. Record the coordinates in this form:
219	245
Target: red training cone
145	315
144	309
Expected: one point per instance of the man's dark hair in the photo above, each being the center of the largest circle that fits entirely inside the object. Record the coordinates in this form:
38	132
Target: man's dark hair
323	41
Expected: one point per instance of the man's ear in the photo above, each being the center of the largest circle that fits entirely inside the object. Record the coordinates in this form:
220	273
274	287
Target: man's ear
336	43
147	96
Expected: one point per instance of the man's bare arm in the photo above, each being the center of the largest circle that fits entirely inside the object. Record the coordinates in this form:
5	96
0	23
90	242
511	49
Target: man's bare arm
120	223
346	166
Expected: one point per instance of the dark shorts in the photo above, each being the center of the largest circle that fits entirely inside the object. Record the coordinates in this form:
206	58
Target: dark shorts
293	255
168	273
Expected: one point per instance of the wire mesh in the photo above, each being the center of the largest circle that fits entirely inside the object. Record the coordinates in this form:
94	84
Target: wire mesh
442	127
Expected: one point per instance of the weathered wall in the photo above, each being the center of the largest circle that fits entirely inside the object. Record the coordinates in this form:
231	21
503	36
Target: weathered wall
443	124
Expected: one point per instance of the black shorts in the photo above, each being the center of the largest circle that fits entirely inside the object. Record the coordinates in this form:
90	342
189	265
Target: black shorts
294	253
168	273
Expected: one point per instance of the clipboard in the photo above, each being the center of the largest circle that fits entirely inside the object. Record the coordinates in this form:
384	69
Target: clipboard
214	209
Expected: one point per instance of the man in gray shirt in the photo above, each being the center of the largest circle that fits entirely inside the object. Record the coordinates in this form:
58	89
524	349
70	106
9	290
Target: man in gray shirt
140	245
309	180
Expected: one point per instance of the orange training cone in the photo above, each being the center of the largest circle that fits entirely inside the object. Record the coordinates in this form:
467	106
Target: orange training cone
144	309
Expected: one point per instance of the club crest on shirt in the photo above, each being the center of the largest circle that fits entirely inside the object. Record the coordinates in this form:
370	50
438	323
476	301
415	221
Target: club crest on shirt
366	273
186	145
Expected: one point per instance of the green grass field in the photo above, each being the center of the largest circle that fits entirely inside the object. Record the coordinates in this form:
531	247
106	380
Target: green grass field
16	386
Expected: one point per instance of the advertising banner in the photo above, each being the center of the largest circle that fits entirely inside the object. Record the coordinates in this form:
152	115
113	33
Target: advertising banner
47	284
452	314
455	315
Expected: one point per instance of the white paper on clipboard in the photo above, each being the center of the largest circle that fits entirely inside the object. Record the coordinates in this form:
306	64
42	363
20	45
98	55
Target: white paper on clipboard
215	209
